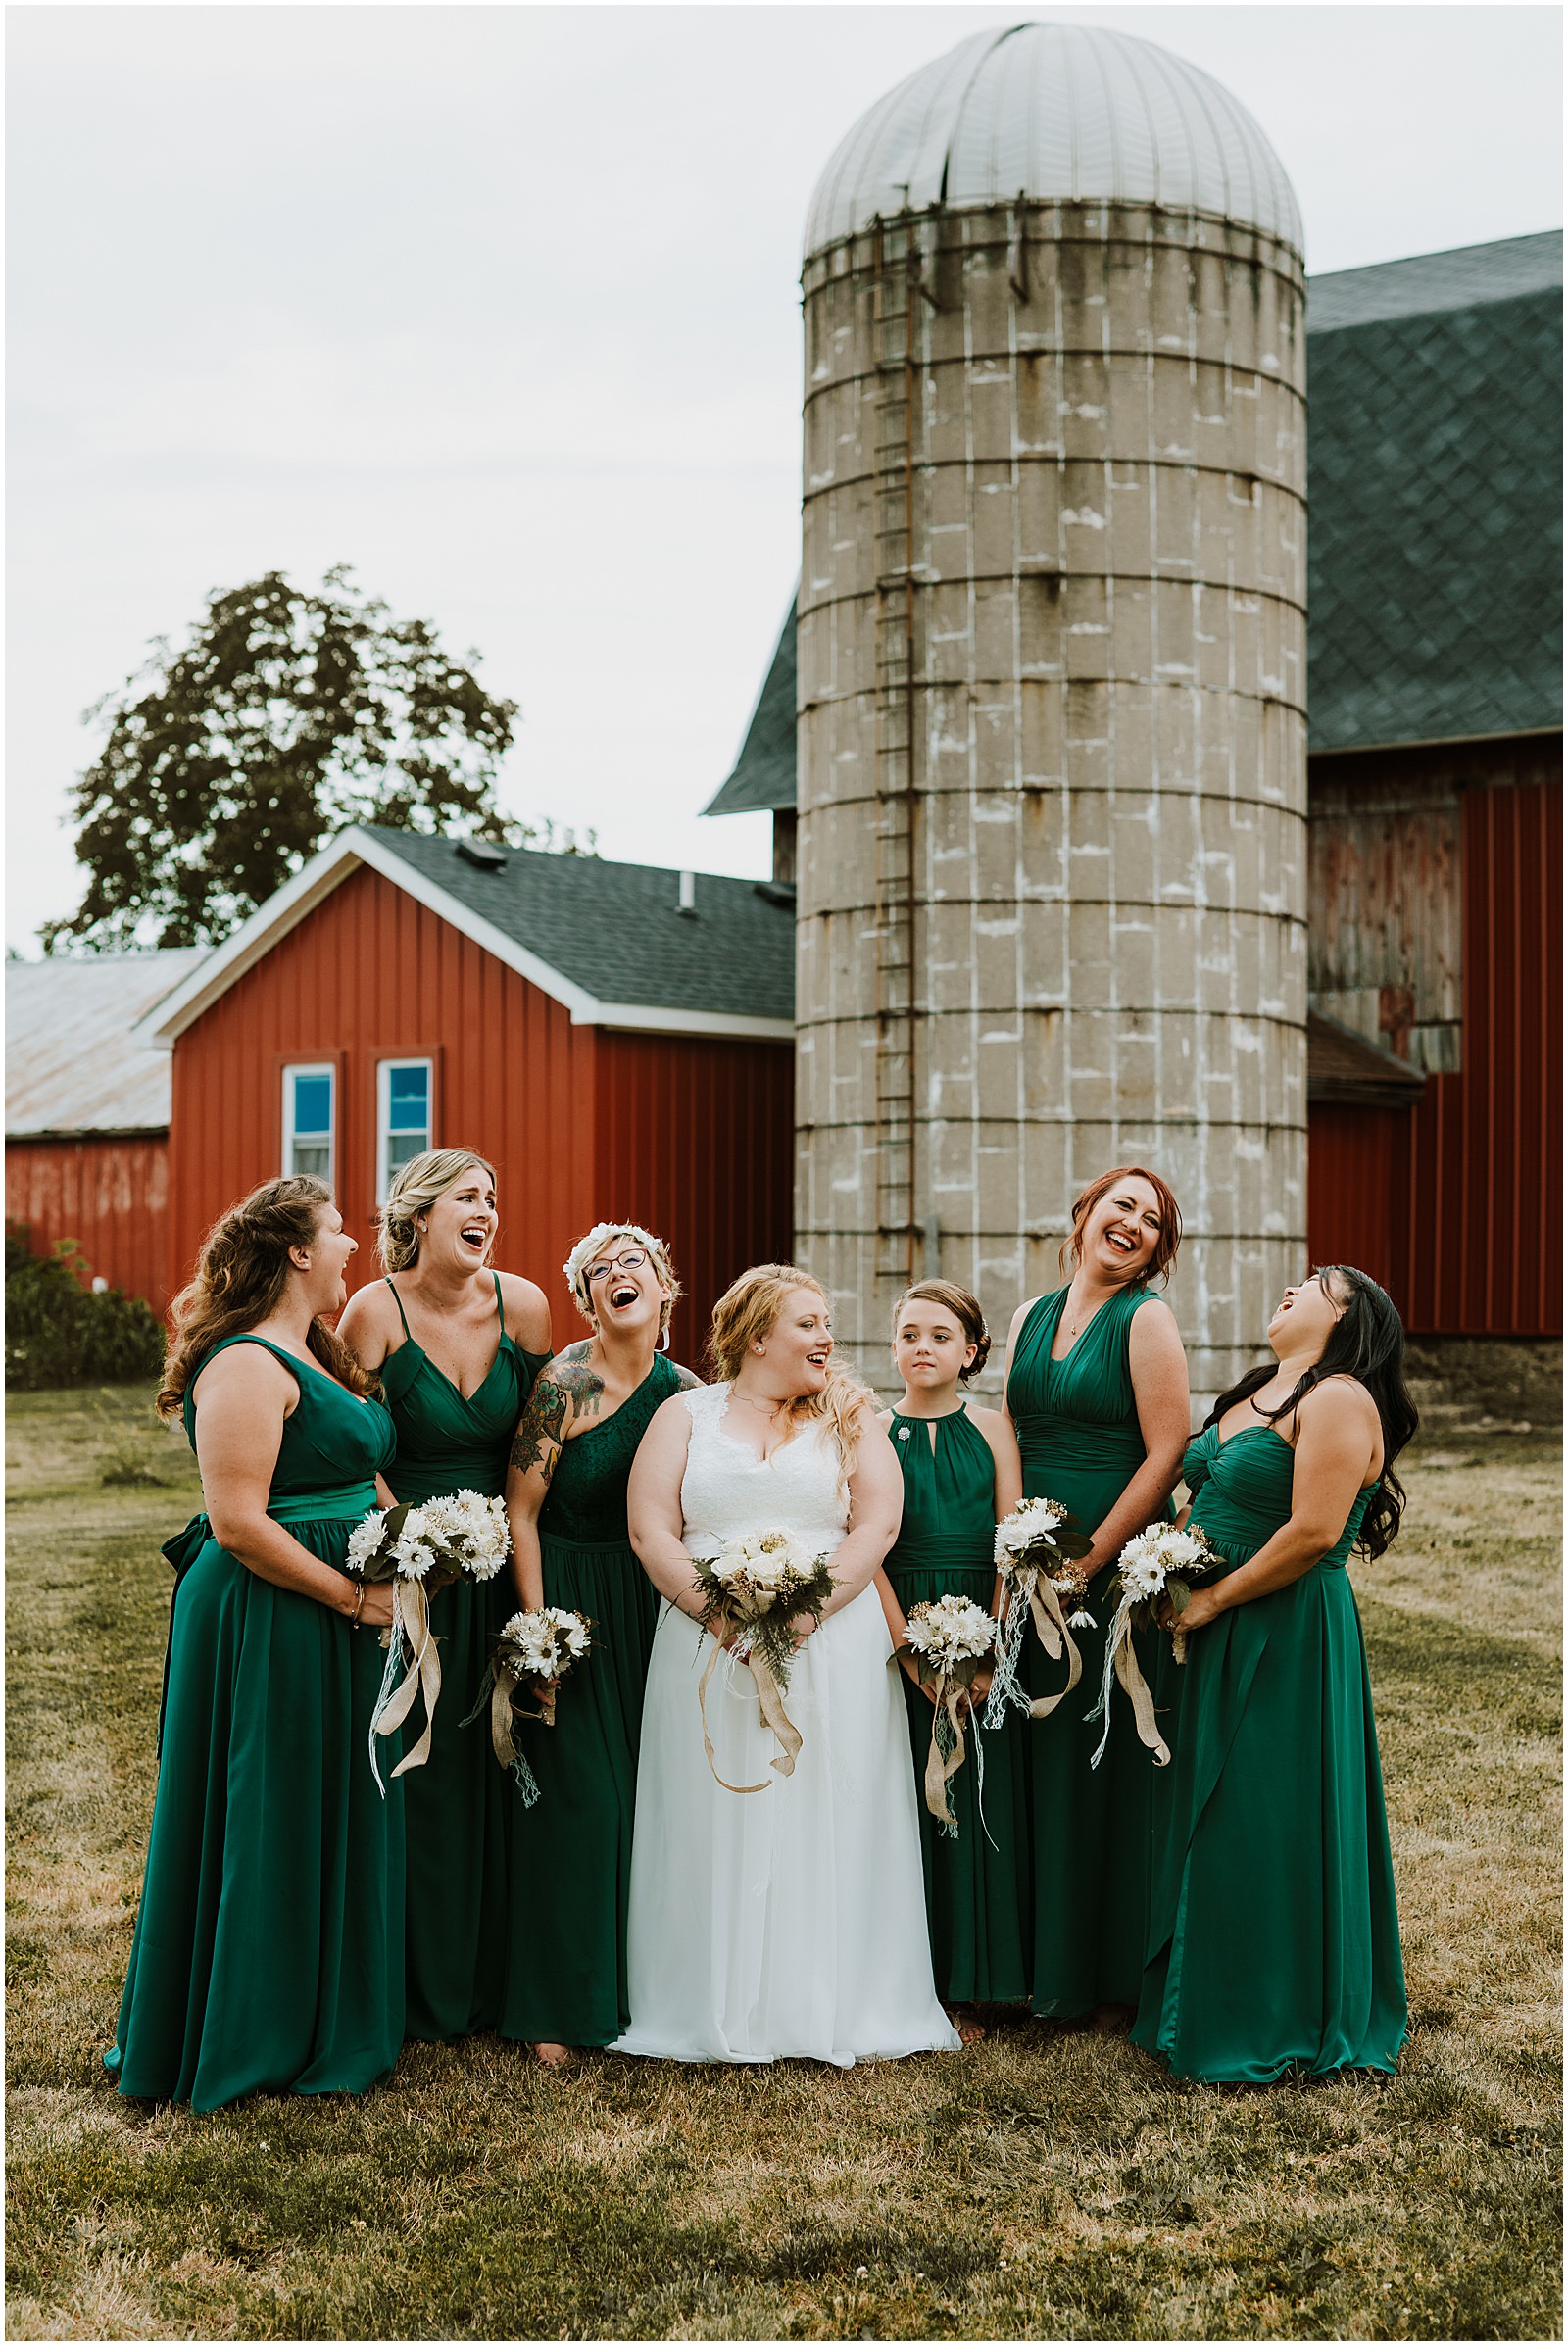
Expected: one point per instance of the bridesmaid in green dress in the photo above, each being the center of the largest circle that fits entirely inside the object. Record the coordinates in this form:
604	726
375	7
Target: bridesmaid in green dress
269	1944
1274	1939
960	1476
1096	1384
456	1346
565	1984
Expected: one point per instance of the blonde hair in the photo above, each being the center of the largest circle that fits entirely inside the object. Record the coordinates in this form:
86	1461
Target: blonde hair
416	1186
241	1272
749	1310
589	1249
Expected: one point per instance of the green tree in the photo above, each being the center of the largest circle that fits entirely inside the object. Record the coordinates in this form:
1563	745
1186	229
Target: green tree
287	716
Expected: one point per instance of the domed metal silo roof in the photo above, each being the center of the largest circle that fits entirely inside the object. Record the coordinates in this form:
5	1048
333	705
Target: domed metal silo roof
1068	111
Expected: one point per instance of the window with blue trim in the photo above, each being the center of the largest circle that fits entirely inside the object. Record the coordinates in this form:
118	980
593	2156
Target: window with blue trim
309	1120
405	1123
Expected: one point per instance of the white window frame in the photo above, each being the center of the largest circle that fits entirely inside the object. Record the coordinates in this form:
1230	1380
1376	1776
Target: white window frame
297	1067
383	1113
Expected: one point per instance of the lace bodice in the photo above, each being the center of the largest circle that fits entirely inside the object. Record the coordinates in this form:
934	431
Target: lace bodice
727	1491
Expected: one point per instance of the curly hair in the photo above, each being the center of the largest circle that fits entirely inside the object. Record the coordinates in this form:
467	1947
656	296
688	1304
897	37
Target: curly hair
241	1272
965	1310
748	1310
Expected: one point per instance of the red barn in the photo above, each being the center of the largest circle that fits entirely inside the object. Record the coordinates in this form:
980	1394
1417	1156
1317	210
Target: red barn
87	1112
617	1040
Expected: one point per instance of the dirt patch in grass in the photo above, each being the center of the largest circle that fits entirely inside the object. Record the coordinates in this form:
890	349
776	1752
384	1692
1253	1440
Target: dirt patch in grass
1050	2184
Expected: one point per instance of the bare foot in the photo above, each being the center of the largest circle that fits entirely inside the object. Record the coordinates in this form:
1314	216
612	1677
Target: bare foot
1114	2019
971	2028
554	2056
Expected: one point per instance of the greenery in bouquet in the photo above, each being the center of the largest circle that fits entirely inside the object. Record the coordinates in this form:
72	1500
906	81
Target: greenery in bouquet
533	1653
753	1592
952	1639
422	1549
1039	1550
1159	1562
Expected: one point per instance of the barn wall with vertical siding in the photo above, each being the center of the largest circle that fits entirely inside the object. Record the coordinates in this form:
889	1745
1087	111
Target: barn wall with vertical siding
107	1190
1461	1196
688	1135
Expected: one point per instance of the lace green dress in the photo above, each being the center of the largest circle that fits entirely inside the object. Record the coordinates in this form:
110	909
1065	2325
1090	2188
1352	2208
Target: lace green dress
1274	1934
268	1943
977	1886
571	1851
1081	1443
457	1803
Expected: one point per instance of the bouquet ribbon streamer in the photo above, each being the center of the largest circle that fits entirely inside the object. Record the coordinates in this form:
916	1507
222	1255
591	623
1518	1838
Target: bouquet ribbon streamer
410	1626
770	1701
1121	1658
1032	1598
945	1757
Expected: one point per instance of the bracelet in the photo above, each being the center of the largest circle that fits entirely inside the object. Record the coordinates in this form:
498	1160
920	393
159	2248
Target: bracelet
359	1607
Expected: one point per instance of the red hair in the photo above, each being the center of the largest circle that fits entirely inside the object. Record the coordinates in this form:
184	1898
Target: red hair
1170	1218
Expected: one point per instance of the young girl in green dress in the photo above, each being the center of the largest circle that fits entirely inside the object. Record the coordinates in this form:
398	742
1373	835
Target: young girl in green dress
269	1945
571	1852
1274	1937
961	1475
1096	1384
456	1346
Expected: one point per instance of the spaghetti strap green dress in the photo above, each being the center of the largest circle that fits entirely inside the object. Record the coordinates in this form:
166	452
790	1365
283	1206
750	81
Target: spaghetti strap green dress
457	1803
571	1851
268	1943
1274	1935
1081	1445
977	1886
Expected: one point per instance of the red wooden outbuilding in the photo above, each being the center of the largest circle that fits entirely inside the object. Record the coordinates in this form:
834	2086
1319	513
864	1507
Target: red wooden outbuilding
617	1041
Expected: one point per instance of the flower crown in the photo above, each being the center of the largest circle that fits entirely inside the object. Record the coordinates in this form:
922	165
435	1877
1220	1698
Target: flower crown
586	1249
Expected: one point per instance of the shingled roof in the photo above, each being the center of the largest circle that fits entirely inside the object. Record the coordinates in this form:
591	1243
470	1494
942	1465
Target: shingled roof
1434	535
610	940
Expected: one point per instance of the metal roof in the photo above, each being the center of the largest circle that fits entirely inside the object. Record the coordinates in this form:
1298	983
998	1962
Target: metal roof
72	1062
1068	111
607	941
1434	497
1435	532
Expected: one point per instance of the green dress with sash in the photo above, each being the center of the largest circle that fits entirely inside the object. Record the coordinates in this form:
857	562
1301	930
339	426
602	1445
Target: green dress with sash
1081	1445
457	1802
977	1886
571	1849
1274	1934
268	1943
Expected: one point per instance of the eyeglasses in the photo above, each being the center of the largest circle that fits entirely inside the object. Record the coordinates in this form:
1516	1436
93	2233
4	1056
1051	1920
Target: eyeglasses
632	1260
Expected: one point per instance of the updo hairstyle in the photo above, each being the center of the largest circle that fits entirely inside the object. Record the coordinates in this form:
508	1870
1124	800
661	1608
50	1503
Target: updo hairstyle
1169	1238
241	1272
965	1310
415	1186
747	1312
588	1249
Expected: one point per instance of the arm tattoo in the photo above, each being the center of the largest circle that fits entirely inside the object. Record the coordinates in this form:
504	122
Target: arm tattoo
688	1383
567	1389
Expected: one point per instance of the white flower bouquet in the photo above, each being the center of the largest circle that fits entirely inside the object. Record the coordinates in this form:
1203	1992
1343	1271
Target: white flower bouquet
753	1592
422	1549
1039	1552
532	1655
1158	1562
952	1638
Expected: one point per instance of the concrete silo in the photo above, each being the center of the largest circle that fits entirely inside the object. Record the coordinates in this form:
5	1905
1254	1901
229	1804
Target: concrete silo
1051	682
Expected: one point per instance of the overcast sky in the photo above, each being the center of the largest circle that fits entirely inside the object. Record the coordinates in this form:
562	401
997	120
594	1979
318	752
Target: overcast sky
498	305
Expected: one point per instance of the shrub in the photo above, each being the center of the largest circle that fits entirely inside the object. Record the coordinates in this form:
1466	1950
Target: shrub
58	1331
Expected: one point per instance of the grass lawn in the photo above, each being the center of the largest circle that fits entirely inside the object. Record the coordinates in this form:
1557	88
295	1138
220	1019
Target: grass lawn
1050	2184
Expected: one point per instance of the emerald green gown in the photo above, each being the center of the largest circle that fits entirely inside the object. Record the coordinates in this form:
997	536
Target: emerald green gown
571	1851
977	1886
1081	1445
457	1803
1274	1935
268	1943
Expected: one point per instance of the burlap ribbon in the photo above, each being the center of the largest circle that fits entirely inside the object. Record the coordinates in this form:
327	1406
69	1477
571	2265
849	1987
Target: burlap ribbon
770	1702
1032	1598
1121	1658
938	1768
410	1626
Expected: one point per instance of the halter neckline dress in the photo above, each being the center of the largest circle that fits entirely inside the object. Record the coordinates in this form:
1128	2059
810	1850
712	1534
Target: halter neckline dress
1274	1932
457	1803
977	1885
268	1943
1081	1445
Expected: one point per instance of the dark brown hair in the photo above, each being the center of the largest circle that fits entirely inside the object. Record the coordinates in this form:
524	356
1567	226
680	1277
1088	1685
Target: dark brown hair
241	1272
965	1310
1170	1219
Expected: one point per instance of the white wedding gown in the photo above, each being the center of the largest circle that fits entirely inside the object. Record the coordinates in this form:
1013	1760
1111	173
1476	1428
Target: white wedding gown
787	1922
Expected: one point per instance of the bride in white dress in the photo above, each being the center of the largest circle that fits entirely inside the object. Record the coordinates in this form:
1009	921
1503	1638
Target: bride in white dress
789	1922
